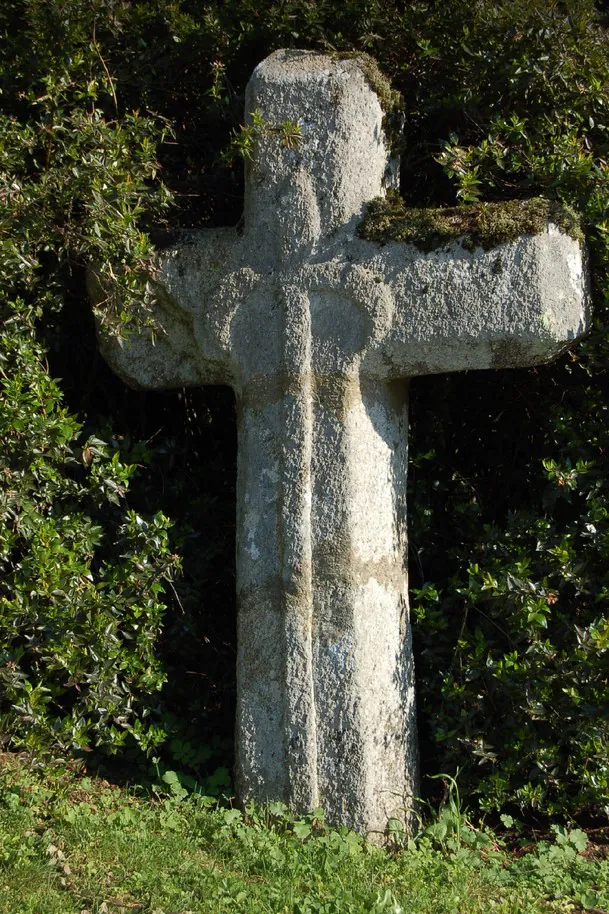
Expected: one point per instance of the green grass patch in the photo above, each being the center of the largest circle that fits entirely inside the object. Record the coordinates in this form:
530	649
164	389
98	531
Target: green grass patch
70	845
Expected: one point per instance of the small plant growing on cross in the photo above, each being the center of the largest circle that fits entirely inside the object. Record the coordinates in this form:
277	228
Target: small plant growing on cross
246	137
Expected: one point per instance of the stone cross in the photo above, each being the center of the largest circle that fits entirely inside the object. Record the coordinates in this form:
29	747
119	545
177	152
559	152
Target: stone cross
318	331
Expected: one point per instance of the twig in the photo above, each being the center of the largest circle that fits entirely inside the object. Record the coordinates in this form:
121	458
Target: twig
103	63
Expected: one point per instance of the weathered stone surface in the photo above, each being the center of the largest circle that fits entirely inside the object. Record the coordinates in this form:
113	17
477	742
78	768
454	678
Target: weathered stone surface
318	330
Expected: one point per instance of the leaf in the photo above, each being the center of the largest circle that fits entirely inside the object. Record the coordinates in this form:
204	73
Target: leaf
302	829
578	839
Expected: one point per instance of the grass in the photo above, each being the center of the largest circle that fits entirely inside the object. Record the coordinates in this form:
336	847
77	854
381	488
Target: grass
73	845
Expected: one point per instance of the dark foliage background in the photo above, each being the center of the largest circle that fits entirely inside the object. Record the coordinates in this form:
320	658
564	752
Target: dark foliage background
118	123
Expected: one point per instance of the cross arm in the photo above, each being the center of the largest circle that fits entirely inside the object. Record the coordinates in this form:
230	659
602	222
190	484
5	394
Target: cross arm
186	349
520	304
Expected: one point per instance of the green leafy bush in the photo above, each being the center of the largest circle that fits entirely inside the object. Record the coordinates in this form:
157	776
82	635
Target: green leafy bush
81	576
510	500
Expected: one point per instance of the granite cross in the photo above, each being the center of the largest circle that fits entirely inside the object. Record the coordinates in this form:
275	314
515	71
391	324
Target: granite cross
318	331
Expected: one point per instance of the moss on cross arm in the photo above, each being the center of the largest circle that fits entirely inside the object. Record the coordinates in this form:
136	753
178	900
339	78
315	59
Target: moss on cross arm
484	225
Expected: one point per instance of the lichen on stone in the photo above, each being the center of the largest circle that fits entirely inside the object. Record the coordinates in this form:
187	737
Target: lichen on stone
484	225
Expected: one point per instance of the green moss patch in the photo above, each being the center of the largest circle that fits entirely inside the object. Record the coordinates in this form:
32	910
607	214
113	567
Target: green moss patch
484	225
